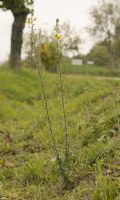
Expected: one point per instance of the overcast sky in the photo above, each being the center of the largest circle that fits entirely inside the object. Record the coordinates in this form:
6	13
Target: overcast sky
46	11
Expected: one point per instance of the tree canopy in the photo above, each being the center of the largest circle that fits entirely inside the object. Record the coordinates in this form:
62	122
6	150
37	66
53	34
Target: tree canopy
105	27
16	6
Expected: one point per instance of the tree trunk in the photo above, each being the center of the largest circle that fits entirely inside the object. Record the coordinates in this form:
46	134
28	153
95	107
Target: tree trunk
17	39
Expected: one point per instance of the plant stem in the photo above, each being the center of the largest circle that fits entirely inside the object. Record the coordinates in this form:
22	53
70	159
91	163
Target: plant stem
63	104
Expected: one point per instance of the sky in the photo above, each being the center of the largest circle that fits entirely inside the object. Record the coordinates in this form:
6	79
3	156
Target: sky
47	11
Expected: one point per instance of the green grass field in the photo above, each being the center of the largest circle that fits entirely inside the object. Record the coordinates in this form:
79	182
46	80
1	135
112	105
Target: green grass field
90	70
28	170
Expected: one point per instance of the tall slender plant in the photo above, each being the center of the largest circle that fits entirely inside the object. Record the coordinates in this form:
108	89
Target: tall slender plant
36	52
57	37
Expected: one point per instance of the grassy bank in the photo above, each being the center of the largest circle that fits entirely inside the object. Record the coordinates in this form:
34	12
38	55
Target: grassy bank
28	168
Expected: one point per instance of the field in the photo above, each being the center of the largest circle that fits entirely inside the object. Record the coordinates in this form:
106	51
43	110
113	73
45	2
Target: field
91	70
28	168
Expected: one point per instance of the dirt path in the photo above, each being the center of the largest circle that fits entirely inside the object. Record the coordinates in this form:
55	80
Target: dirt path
108	78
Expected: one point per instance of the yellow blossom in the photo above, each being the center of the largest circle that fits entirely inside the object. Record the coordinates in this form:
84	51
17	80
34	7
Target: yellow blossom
29	21
57	37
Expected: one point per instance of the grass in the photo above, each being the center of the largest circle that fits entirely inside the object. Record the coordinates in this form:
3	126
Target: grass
28	168
91	70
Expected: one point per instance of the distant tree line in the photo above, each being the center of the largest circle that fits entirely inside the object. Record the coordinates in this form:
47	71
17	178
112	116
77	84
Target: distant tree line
104	29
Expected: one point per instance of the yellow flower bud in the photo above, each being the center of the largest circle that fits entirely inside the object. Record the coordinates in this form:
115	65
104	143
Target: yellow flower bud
57	37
